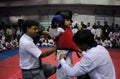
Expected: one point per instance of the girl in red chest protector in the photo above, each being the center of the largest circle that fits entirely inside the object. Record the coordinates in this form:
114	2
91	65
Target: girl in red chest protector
64	42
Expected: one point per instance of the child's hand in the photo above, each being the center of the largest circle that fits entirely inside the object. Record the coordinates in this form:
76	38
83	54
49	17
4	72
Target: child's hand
62	56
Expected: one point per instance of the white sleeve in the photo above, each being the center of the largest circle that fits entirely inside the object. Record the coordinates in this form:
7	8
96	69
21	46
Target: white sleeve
55	32
33	49
81	67
60	30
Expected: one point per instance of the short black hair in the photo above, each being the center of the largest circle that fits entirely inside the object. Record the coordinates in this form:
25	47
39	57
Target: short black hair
84	37
29	23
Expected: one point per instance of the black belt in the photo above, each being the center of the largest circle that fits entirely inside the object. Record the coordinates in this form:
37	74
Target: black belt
30	69
65	49
70	50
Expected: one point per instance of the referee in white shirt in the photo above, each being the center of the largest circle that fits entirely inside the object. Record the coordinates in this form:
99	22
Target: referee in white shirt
96	60
30	54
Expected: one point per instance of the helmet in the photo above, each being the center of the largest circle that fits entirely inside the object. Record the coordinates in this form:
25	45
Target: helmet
66	14
57	21
58	18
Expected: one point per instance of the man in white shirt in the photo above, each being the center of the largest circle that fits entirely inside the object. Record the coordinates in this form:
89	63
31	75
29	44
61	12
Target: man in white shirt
96	60
30	54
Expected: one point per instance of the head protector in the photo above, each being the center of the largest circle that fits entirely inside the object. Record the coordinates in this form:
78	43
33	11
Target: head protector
66	14
57	21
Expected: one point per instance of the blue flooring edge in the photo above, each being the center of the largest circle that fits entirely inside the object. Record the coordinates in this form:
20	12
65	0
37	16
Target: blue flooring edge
9	53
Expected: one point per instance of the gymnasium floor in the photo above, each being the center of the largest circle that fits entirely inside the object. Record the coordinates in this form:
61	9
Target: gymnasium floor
9	63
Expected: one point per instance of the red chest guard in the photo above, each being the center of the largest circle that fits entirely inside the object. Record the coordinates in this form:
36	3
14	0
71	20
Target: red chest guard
65	40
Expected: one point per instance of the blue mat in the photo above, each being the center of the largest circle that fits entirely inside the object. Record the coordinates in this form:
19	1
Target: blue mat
9	53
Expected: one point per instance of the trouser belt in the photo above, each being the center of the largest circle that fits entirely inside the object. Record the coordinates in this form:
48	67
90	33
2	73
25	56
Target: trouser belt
30	69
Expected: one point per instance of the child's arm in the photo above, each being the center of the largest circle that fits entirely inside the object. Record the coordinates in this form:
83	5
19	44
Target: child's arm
55	32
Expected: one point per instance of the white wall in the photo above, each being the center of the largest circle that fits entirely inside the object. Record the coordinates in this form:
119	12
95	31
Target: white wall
42	2
14	19
99	2
102	19
64	1
77	18
117	20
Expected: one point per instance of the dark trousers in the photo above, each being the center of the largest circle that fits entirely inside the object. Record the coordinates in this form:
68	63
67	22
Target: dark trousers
33	74
85	76
39	73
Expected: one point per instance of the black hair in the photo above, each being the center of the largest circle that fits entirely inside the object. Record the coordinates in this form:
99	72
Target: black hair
84	37
67	14
29	23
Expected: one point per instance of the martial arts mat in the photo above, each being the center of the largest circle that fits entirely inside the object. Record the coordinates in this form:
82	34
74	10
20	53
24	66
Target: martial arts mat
9	63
